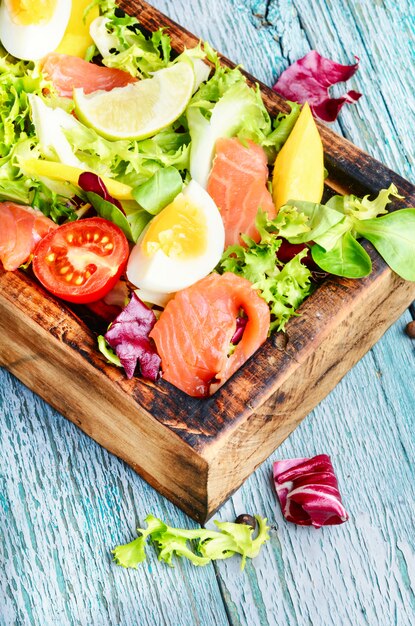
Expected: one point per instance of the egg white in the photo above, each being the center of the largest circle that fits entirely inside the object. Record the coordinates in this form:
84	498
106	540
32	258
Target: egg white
161	273
31	42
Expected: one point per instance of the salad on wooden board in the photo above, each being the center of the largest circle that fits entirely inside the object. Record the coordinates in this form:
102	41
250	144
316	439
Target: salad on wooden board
156	189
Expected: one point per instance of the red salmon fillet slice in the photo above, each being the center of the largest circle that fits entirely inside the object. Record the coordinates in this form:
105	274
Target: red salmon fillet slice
194	332
67	72
21	227
238	185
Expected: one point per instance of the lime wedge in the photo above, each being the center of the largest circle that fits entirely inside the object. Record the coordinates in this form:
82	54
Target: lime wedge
140	109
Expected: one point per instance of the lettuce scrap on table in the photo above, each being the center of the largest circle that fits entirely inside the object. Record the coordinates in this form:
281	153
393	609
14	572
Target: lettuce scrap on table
200	546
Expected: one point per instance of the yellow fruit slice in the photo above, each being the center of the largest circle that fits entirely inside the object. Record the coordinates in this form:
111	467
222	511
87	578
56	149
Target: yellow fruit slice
138	110
71	174
299	166
77	39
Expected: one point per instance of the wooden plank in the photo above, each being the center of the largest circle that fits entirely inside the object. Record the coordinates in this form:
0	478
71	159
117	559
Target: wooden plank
65	502
198	439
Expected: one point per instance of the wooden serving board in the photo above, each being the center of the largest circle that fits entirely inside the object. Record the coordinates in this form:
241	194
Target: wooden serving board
197	452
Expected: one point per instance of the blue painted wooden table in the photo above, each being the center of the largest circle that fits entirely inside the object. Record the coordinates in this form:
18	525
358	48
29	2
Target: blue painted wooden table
65	502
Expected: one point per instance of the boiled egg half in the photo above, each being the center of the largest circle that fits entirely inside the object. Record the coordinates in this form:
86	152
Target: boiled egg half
29	30
181	245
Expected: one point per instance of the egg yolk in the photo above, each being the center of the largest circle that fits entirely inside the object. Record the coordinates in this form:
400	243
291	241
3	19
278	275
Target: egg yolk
26	12
179	231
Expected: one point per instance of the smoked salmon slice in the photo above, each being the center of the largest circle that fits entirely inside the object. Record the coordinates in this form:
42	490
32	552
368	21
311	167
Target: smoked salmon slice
67	72
238	185
21	227
193	335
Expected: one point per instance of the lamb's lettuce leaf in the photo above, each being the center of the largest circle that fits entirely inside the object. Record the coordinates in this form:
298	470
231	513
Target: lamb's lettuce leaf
393	236
159	190
347	258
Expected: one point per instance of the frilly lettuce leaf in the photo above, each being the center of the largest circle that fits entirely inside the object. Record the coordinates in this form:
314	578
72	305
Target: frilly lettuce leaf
199	545
235	539
363	208
121	41
283	288
283	125
133	553
306	221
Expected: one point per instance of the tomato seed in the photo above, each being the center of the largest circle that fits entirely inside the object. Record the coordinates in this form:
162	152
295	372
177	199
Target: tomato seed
64	270
105	239
68	278
109	246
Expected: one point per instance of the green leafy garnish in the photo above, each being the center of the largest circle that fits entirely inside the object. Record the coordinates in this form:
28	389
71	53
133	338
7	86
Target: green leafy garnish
347	258
283	287
18	140
199	545
123	45
393	236
159	191
107	351
335	227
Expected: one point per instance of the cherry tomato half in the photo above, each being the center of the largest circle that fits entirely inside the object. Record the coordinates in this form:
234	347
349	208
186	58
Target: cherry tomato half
81	261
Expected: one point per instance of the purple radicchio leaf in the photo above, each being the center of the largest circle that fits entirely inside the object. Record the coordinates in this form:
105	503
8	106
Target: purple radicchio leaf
241	322
308	491
128	336
308	80
88	181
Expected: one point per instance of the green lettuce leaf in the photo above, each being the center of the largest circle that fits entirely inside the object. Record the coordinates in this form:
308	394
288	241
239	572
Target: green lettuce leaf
133	553
110	212
200	546
283	288
108	352
347	258
393	236
159	191
318	220
235	539
283	125
363	208
18	81
124	45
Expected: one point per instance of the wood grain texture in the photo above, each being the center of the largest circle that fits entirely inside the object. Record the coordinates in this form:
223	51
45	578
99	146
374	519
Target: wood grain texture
64	500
